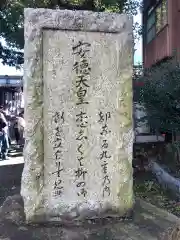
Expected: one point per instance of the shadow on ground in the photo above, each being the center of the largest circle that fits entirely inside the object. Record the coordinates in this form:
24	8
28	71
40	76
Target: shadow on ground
10	173
15	151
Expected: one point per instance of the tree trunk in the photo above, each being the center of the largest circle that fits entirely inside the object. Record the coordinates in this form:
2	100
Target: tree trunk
167	181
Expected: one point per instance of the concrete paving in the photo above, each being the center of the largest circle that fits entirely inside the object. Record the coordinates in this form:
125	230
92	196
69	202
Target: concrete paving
10	173
15	156
12	161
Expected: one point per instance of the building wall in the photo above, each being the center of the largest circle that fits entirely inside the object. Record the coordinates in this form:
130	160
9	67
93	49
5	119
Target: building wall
174	23
167	40
157	49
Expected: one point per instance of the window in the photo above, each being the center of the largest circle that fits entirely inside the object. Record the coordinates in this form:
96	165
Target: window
151	27
157	19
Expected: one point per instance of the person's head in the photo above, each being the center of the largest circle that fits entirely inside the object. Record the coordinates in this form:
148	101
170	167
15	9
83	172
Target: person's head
1	108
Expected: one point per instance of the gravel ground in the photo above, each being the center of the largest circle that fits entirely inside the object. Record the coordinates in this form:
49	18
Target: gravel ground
147	188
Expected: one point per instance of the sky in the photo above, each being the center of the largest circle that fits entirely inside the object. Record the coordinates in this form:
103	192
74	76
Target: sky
6	70
138	46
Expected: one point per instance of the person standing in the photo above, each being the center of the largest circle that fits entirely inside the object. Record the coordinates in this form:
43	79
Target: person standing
16	130
5	111
4	143
19	126
22	128
2	110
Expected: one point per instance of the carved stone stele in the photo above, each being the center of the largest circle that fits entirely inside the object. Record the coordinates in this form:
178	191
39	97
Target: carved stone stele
78	113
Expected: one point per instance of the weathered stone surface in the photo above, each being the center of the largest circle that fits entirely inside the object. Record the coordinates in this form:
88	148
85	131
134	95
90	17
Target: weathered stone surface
148	223
13	209
87	118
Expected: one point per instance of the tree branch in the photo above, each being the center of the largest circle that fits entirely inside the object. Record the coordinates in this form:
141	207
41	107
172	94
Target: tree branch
11	57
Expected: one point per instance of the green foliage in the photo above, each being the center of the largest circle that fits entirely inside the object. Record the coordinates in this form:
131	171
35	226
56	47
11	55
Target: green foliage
160	94
11	20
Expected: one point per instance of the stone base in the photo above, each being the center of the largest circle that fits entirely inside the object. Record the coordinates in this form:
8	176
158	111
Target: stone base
75	218
148	223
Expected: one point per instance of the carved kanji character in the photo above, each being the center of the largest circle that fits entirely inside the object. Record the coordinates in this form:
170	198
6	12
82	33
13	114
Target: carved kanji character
80	161
81	93
104	155
83	192
57	143
106	191
81	135
80	149
80	184
82	82
57	184
104	117
79	50
58	117
80	172
104	167
81	119
58	154
105	130
106	180
58	192
105	144
59	169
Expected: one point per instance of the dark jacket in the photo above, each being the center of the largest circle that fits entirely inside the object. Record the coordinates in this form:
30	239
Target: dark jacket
3	122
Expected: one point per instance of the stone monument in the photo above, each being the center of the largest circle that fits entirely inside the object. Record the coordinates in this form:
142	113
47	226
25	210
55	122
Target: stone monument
78	112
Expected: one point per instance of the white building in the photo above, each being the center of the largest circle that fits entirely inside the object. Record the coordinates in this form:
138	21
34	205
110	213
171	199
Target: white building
11	92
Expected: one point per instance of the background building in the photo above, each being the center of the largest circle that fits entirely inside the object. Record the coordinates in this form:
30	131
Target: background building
161	31
11	93
161	35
